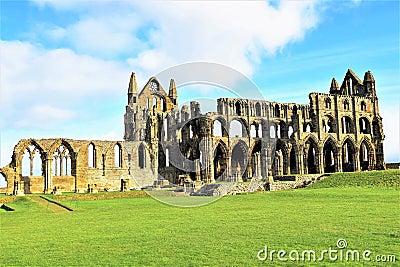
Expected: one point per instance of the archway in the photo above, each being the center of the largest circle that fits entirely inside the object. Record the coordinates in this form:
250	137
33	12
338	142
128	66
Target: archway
330	157
311	152
220	164
365	127
239	160
280	159
237	129
348	154
293	161
256	162
364	156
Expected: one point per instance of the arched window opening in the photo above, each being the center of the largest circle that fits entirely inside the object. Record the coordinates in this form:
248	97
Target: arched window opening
294	113
364	156
365	127
147	103
329	155
26	159
61	161
154	102
32	162
272	132
328	103
236	129
348	153
290	131
258	109
346	125
293	163
277	111
142	157
166	157
346	105
307	128
253	132
312	160
260	134
117	156
278	131
91	156
239	161
363	106
217	131
162	104
238	109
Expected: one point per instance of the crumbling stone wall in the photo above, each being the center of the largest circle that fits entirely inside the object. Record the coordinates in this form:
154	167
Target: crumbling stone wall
243	140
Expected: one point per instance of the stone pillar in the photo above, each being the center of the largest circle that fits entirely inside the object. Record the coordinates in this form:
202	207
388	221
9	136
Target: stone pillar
258	166
198	171
339	161
357	160
300	162
31	157
320	161
48	175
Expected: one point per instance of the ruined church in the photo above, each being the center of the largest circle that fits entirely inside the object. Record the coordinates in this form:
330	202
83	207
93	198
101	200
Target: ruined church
244	140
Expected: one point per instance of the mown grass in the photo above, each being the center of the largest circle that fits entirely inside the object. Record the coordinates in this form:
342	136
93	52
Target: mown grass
227	232
387	179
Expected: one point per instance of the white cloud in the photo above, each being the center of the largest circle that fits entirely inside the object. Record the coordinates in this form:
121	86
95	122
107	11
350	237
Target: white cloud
40	85
158	34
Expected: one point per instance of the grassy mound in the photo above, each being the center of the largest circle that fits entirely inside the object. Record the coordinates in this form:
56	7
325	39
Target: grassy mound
387	178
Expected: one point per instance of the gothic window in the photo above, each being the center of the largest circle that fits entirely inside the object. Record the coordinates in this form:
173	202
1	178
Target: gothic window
346	105
61	161
32	162
91	156
117	156
363	106
346	125
217	128
142	157
277	111
328	103
258	109
167	157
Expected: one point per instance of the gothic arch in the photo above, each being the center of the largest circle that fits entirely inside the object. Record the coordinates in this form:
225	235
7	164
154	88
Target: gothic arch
220	161
239	158
311	153
348	155
366	155
330	155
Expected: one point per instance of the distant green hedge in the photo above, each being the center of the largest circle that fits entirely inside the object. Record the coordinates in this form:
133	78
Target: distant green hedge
387	178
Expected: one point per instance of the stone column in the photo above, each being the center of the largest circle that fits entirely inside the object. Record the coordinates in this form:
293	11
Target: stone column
357	160
299	161
48	175
339	161
31	157
258	166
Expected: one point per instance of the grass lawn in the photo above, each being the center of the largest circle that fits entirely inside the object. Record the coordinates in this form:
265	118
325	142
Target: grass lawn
142	231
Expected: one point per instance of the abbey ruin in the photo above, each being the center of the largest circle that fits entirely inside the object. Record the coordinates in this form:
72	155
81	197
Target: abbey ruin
244	140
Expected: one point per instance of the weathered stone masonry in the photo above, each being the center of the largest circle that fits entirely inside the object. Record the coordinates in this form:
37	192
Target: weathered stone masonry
244	140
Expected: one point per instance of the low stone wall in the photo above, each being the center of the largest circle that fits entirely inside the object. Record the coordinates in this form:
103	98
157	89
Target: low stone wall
299	182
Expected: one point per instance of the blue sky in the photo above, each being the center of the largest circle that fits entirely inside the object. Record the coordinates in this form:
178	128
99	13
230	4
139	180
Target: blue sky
65	65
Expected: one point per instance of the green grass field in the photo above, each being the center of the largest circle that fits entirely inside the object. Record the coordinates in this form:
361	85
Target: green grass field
142	231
